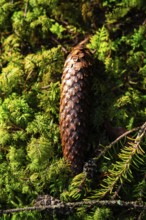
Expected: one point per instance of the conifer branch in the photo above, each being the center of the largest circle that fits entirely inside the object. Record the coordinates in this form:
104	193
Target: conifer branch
121	170
116	141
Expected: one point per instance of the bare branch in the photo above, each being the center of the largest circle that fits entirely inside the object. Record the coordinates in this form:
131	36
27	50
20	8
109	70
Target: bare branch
73	205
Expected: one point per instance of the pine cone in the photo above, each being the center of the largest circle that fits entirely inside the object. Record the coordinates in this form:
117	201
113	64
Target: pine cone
74	106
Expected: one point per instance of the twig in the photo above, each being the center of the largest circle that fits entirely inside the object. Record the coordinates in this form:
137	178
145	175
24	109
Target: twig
63	48
141	133
73	205
117	192
45	87
26	7
116	141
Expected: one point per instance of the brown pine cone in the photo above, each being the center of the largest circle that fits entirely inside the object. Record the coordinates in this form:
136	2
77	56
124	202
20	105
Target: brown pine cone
74	106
